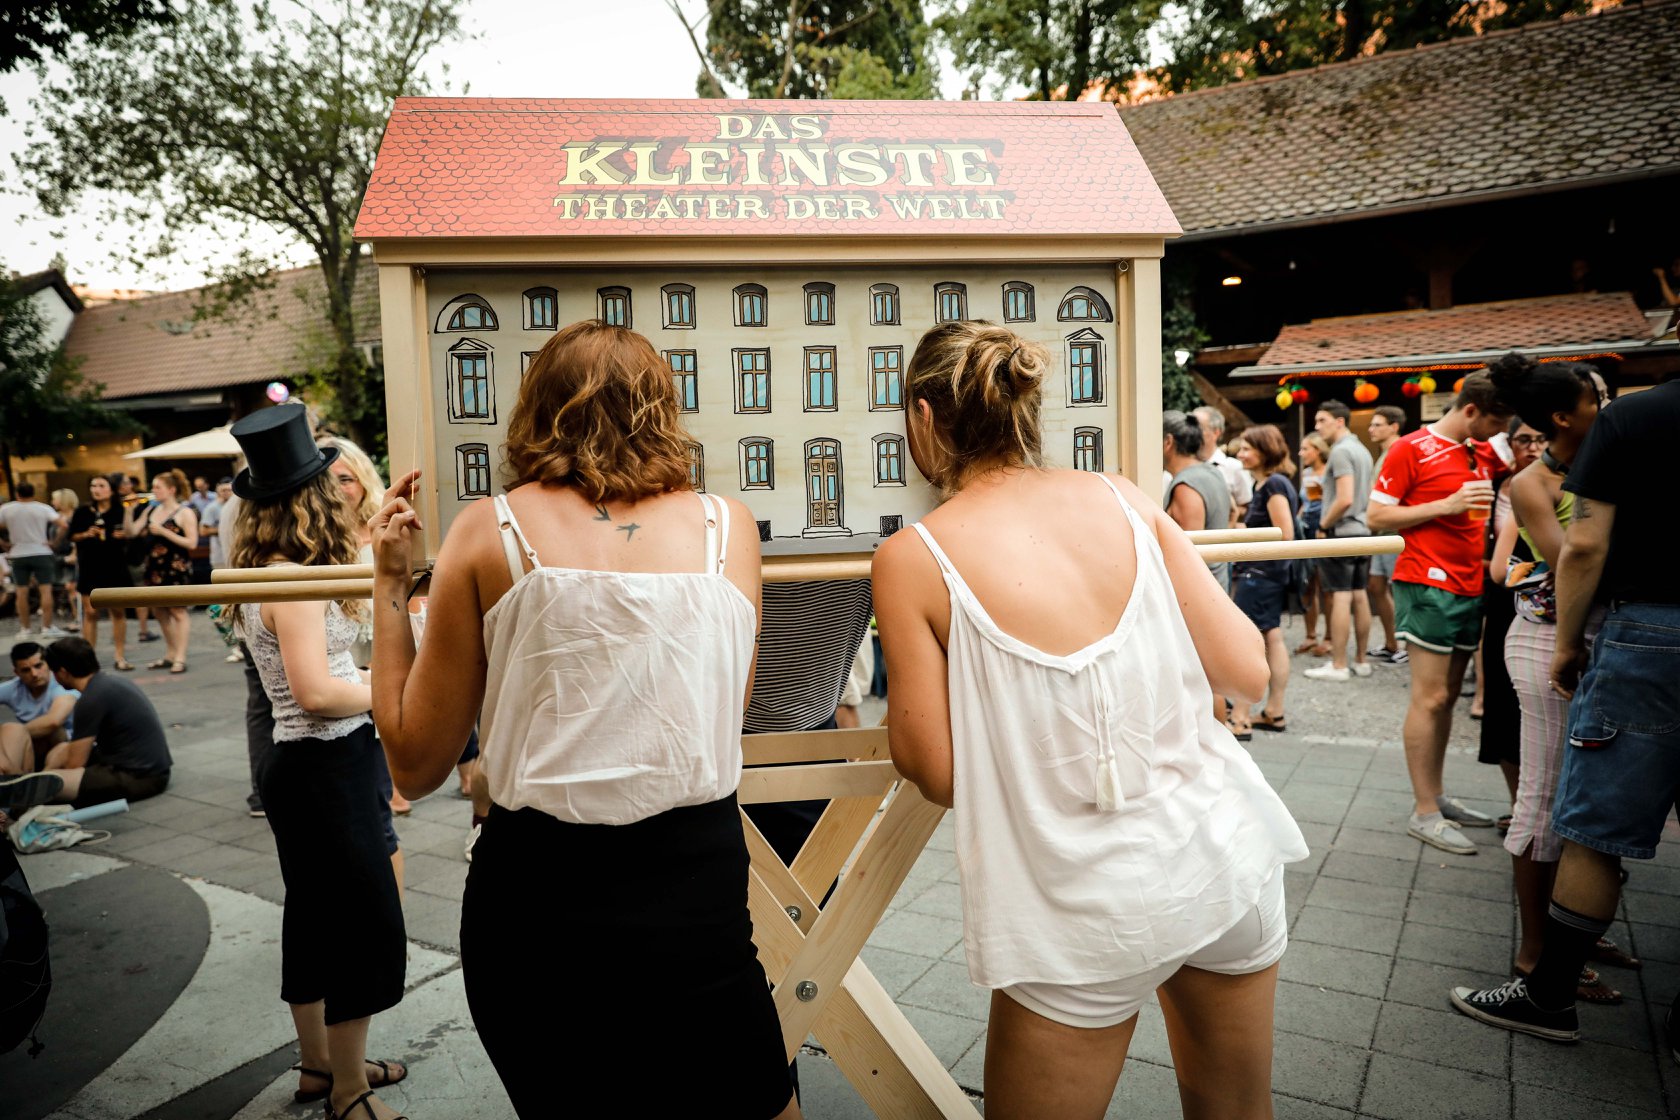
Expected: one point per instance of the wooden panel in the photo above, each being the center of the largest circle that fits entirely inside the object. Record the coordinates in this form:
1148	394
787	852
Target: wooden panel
815	780
867	743
842	824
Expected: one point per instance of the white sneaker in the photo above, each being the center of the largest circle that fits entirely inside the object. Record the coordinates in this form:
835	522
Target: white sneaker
472	838
1440	832
1461	814
21	634
1361	668
54	632
1329	672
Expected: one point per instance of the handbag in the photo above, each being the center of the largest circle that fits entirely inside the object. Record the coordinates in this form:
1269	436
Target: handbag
1534	588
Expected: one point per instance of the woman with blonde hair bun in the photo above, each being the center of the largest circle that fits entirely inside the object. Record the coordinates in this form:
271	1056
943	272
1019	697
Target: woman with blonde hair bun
1055	642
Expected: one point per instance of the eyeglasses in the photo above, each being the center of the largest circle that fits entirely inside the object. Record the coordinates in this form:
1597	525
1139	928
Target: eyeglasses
1529	441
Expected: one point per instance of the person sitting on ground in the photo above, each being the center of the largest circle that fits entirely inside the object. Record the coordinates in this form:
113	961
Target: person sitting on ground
42	706
1112	838
119	749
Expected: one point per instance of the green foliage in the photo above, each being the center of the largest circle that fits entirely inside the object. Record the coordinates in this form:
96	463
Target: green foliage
46	401
1055	48
234	119
1179	331
31	31
821	48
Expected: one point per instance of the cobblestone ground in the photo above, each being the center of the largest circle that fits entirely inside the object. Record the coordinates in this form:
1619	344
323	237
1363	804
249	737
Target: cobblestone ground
167	956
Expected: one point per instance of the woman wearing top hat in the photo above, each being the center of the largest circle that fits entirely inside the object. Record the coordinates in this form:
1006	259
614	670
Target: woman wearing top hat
342	942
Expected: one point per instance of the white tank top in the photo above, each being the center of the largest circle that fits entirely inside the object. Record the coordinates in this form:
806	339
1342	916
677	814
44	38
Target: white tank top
1107	824
614	696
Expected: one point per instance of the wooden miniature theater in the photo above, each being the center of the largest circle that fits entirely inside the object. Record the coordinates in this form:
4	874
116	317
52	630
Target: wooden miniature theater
784	258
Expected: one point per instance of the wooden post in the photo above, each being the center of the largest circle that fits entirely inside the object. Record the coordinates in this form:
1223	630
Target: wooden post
410	421
1138	324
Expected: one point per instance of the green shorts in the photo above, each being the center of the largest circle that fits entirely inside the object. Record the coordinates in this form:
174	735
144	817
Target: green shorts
1435	619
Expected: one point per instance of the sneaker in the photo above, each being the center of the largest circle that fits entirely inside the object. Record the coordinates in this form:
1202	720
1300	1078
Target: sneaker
258	811
1508	1006
1329	672
1442	833
1461	814
1361	668
233	657
27	791
148	636
27	633
1384	656
472	838
54	632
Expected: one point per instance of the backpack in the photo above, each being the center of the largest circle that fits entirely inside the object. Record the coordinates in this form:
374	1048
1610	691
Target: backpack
25	970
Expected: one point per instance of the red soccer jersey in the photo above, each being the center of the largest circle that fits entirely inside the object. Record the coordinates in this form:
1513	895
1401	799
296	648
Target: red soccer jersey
1425	467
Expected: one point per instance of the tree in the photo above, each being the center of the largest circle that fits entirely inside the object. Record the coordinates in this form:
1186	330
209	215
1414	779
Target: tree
840	49
29	32
1180	330
1058	49
47	401
230	119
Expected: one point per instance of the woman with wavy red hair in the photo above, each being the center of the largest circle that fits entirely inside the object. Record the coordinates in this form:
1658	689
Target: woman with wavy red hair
603	615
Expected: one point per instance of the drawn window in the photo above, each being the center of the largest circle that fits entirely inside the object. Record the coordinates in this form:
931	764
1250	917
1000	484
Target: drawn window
541	309
891	523
472	470
1087	449
883	305
757	470
819	378
614	306
751	305
1082	305
697	467
1085	368
819	305
886	378
950	302
467	313
685	378
526	357
889	460
471	390
1017	302
678	306
752	381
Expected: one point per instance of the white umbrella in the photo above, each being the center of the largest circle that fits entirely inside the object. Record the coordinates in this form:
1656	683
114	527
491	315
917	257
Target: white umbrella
217	443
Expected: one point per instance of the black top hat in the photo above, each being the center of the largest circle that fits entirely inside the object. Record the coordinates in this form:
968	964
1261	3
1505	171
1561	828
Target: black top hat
280	452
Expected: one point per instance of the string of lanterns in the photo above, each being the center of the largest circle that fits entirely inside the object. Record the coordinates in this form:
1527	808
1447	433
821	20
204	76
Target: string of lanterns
1292	393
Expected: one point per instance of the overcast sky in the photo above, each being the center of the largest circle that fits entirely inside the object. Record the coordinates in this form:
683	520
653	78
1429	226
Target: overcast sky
599	48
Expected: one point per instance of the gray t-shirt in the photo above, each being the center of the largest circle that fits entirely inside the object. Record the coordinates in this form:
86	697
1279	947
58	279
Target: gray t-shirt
127	734
29	524
1348	458
1207	480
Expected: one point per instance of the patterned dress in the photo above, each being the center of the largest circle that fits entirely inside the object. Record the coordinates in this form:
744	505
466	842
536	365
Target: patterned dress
167	563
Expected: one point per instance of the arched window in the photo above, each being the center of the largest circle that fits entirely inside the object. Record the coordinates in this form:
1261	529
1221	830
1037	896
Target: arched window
950	302
613	306
466	313
685	377
697	466
1087	449
752	305
758	471
1085	367
1017	302
883	305
472	471
889	460
542	307
1082	305
677	307
472	389
819	305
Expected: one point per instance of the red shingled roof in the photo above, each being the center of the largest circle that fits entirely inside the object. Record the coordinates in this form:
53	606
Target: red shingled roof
139	347
486	167
1579	100
1583	322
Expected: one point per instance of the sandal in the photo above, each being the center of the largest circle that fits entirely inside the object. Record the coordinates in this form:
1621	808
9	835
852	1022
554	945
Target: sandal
1246	735
1264	722
1590	988
176	668
1308	646
305	1096
361	1100
122	665
1608	952
160	663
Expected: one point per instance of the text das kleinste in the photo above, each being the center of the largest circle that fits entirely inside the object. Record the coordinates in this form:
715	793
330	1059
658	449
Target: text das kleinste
772	159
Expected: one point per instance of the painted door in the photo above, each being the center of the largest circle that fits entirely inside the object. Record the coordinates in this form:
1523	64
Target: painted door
822	483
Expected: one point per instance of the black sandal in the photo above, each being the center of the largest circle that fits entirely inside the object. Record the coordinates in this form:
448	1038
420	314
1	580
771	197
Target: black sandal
361	1100
1264	722
306	1096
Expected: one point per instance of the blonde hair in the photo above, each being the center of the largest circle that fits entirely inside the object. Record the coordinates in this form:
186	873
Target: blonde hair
177	481
598	410
367	476
310	525
1318	444
985	386
66	500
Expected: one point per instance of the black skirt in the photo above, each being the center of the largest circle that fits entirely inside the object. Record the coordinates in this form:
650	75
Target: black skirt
606	964
1501	714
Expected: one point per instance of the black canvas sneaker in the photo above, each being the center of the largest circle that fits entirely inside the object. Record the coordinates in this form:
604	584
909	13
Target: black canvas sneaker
1508	1006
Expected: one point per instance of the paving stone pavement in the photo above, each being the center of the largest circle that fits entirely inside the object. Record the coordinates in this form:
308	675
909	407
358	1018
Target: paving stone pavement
1380	927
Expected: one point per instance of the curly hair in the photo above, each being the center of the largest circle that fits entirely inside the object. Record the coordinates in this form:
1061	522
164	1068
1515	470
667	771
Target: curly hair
598	411
985	385
1535	391
310	525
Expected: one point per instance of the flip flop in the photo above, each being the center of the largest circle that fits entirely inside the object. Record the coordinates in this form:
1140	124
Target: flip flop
176	668
122	666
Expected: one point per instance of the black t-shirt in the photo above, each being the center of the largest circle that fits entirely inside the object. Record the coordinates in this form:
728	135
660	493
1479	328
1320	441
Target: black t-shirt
127	734
94	551
1628	456
1258	517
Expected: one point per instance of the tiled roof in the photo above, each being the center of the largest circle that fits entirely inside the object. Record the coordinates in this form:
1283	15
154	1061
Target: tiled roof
485	167
1549	324
1550	104
153	345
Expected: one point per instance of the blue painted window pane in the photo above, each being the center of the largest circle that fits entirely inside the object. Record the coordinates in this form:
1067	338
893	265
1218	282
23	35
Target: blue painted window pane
614	310
1083	363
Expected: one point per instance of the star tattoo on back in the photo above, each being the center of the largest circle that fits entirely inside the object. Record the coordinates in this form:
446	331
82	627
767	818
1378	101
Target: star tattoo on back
629	531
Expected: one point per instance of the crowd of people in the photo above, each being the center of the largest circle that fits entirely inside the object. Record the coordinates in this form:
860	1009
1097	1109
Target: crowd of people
1098	708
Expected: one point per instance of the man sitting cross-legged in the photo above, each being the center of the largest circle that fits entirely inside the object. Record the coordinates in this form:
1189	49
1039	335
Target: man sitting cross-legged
119	749
42	707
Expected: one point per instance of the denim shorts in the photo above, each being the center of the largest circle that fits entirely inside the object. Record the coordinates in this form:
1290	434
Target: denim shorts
1260	596
1621	766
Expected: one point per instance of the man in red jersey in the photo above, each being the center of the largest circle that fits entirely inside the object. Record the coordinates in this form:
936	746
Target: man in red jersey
1436	491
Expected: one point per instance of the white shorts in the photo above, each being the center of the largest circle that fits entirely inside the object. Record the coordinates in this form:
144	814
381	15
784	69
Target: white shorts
1255	943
